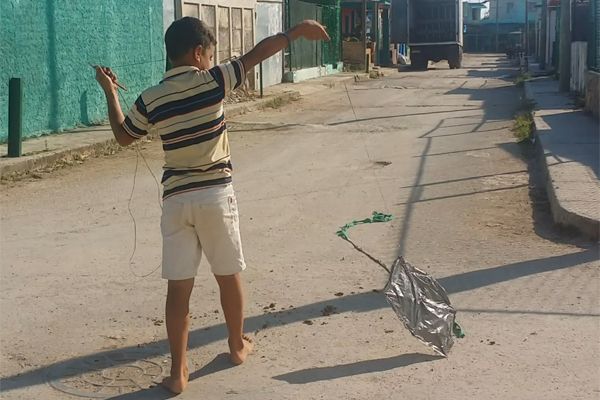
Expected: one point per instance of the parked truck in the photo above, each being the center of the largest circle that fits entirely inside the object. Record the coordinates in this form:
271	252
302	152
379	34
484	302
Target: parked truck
435	32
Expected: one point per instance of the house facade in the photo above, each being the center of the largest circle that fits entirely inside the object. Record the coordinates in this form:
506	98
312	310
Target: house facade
231	21
510	24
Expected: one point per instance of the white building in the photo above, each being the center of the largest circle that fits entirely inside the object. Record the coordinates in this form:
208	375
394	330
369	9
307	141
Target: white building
237	25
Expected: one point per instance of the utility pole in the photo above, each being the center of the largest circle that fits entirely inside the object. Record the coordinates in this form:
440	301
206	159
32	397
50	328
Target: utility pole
564	82
526	42
526	39
364	34
497	24
543	34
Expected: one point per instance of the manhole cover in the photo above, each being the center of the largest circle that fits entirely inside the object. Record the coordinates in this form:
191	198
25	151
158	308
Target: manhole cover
107	375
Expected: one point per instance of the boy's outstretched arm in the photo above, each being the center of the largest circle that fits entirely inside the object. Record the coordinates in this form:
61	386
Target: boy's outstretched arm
310	30
107	81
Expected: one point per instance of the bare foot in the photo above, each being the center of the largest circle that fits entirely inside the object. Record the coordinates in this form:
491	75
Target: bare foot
177	384
239	355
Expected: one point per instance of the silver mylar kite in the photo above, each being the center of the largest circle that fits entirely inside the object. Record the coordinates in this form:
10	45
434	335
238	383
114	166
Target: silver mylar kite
418	300
422	304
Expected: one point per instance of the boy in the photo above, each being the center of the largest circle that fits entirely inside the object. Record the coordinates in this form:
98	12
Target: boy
199	205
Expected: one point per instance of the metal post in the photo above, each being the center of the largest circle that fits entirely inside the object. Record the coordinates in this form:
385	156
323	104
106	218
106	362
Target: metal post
526	38
15	116
543	35
565	46
364	34
260	72
526	44
497	24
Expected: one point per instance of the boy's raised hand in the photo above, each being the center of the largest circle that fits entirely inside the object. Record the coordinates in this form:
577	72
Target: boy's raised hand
106	78
311	30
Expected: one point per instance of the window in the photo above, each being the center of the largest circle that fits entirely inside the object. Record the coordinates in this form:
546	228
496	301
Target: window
223	40
510	6
236	32
475	14
248	25
191	10
209	17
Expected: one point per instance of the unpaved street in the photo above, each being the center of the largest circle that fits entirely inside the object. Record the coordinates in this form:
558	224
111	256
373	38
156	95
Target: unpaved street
432	148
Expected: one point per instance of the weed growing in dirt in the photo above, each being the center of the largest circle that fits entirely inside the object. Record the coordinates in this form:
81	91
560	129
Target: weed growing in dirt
520	82
275	103
523	127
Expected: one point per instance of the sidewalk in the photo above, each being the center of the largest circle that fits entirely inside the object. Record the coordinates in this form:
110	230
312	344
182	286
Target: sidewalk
569	139
78	144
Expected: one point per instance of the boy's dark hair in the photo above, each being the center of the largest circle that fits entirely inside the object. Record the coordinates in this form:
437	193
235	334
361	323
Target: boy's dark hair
186	34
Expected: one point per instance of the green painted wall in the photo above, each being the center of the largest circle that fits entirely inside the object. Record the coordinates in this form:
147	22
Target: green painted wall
49	44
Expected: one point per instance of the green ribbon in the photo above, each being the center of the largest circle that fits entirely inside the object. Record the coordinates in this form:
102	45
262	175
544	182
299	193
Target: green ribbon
457	330
376	217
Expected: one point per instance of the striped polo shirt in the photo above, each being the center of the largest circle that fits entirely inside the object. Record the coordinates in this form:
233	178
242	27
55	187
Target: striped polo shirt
186	110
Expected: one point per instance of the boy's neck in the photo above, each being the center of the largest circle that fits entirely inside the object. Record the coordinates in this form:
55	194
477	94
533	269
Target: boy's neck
184	64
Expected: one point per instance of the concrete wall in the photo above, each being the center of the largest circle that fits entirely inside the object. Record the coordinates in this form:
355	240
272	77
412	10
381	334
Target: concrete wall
578	66
592	94
168	13
511	11
49	44
353	53
269	21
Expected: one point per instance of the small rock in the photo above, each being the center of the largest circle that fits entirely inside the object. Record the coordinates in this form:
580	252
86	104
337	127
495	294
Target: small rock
328	310
339	294
307	322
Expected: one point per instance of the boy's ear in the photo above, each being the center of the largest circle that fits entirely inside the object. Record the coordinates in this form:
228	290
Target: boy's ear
198	52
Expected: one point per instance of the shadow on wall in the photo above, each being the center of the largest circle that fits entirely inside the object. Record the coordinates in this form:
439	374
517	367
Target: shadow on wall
83	108
52	65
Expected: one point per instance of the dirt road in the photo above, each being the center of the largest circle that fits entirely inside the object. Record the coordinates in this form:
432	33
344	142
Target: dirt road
432	148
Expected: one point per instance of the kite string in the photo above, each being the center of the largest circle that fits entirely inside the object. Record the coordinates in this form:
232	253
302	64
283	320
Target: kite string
375	217
129	202
366	149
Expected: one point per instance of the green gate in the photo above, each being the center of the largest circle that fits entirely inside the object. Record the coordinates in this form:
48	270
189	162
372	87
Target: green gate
594	42
305	54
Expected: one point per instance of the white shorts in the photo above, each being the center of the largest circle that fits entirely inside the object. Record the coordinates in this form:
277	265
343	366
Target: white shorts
204	220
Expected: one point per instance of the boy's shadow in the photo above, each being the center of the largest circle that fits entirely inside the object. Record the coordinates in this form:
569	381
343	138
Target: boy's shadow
219	363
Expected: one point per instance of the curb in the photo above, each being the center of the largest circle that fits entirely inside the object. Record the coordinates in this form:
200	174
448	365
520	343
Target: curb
561	214
67	156
238	109
109	145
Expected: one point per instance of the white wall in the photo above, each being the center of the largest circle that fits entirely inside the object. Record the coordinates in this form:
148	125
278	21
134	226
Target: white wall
578	66
269	21
168	13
